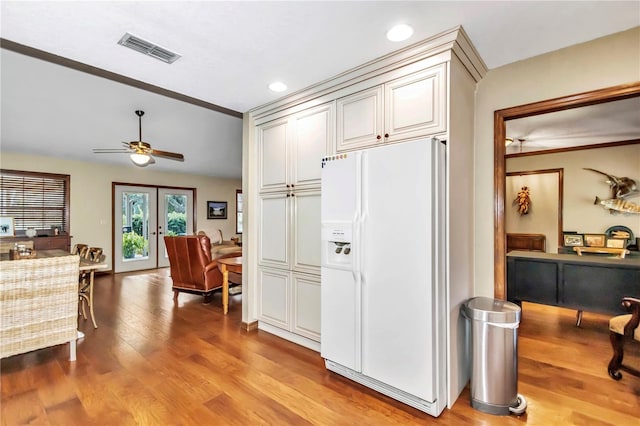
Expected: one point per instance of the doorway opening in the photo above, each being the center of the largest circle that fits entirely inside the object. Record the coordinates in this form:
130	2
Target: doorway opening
594	97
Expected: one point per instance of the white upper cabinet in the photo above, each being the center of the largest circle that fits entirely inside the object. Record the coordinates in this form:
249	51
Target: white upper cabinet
272	149
314	136
404	108
415	105
359	121
290	149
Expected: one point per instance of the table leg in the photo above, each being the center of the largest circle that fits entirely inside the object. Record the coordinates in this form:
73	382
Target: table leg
93	318
225	288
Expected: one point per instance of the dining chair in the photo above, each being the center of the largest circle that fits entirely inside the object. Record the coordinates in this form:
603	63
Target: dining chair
85	289
80	249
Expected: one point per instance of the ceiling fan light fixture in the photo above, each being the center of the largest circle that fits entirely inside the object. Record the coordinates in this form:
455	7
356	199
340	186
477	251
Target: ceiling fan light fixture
140	160
508	141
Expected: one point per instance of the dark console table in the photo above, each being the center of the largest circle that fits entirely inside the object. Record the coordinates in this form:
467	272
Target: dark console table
591	282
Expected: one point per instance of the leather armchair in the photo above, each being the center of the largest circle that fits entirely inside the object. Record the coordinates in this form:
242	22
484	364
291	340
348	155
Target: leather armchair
192	269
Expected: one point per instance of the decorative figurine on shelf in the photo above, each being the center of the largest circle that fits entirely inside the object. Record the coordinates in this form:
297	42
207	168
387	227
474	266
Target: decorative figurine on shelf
523	200
31	232
621	189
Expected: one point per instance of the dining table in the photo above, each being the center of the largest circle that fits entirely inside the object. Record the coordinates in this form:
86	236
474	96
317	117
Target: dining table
226	265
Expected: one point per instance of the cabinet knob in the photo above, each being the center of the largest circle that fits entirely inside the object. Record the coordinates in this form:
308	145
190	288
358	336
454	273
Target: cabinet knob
288	195
292	185
378	137
287	185
386	135
293	195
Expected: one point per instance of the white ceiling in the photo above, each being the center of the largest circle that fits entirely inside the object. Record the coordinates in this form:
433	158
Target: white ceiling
230	52
601	123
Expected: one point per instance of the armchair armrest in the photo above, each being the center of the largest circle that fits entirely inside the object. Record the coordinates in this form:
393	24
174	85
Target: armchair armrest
632	305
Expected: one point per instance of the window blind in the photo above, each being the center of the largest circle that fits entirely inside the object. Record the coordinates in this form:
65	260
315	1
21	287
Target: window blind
35	200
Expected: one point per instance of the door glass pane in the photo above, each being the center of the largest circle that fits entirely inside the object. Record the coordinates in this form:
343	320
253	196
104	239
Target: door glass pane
135	226
238	211
175	215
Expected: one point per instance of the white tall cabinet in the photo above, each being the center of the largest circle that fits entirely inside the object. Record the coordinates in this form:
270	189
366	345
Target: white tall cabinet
288	212
426	89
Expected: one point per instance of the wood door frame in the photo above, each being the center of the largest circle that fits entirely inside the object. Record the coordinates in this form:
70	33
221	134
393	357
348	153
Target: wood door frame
593	97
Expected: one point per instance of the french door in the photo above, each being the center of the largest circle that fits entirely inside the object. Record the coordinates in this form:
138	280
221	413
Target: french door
175	208
143	215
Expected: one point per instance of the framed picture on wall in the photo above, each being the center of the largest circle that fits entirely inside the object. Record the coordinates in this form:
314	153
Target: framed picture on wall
594	240
216	209
6	226
573	240
616	242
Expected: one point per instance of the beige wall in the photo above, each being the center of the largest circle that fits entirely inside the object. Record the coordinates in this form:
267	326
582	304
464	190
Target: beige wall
91	194
604	62
542	218
581	186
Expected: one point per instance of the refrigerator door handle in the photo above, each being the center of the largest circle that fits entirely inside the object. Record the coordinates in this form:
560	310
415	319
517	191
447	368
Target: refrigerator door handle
364	196
355	266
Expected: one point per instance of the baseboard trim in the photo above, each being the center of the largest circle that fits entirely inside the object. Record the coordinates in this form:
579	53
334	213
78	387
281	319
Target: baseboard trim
249	326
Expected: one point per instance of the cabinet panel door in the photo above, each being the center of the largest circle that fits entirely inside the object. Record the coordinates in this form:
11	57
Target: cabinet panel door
306	306
415	105
272	154
306	233
273	237
314	134
273	296
359	119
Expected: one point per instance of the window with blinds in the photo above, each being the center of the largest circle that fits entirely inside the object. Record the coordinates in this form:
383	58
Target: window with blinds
35	200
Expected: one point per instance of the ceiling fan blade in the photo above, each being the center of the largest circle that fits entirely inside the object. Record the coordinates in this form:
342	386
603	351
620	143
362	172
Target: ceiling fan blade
167	154
110	151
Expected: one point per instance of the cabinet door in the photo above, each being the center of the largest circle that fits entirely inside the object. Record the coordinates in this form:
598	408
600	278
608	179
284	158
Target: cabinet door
306	306
274	234
359	119
415	105
273	297
306	231
272	155
314	134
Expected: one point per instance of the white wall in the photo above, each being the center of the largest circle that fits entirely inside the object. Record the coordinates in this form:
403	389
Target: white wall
91	194
581	186
604	62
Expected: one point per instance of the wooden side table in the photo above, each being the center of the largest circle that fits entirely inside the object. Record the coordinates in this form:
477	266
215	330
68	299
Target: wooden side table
226	264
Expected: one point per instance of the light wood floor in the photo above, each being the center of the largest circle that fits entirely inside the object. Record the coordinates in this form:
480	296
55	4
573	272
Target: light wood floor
153	363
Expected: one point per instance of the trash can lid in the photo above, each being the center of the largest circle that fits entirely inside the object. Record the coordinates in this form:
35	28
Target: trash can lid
491	310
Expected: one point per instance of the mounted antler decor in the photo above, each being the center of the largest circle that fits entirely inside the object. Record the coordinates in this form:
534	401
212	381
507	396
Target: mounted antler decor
621	189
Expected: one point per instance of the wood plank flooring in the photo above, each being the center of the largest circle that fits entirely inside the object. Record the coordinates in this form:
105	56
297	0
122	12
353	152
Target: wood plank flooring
151	362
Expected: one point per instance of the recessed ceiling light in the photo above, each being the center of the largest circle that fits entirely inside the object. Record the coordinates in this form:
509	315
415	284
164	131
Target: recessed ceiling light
400	32
278	86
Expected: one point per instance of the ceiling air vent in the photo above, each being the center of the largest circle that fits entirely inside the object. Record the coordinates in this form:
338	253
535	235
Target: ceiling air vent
148	48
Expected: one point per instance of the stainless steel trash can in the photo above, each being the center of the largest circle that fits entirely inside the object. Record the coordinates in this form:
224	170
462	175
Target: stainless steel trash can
494	369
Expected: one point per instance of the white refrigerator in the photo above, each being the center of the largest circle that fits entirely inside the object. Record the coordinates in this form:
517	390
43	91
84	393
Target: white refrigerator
383	316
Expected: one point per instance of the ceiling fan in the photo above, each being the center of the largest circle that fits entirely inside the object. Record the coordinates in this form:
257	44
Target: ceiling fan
141	153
